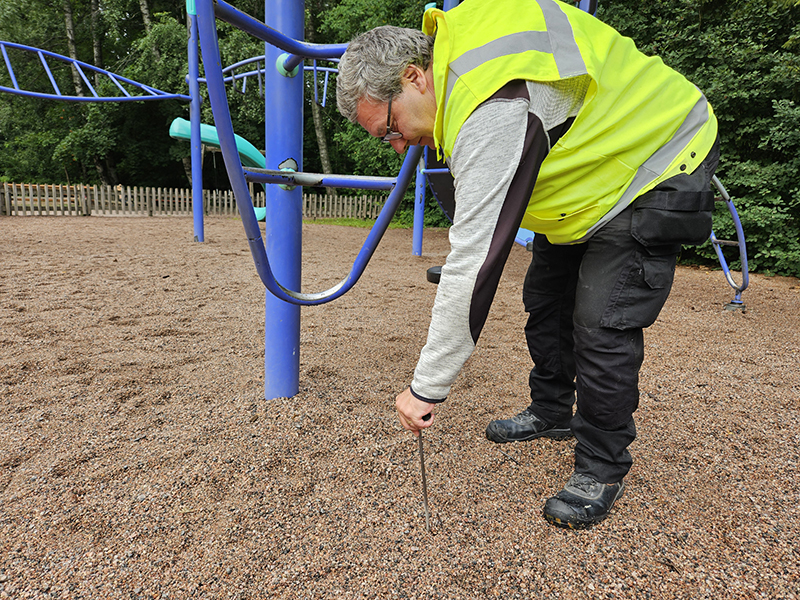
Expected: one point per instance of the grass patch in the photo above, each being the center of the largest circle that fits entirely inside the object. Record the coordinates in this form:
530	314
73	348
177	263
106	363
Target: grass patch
364	223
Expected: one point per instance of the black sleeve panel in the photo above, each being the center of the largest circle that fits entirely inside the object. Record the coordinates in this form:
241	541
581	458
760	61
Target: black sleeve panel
516	201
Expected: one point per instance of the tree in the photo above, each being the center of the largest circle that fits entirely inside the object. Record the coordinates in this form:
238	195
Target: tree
744	56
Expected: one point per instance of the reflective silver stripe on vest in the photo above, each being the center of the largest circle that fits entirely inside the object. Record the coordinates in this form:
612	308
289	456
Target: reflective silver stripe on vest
565	49
514	43
658	162
558	40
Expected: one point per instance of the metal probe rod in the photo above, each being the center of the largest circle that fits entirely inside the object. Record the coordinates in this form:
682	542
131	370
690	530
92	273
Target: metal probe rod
424	483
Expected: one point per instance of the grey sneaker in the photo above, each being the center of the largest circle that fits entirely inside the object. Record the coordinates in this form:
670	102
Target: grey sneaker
583	502
525	426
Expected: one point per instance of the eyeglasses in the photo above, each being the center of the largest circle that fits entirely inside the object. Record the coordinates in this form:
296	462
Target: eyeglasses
390	135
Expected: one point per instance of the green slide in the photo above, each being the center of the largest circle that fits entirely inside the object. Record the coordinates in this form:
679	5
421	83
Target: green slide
248	154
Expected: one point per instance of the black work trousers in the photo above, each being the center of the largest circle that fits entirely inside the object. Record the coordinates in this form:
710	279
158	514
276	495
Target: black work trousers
588	304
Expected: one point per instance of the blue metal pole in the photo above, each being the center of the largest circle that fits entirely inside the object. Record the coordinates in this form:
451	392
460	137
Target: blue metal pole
419	192
194	117
284	218
419	208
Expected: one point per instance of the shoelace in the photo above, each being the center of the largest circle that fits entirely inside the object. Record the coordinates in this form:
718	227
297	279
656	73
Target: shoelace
582	482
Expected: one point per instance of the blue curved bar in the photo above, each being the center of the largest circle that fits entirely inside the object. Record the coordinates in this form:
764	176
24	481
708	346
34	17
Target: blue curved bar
229	14
152	93
737	224
222	118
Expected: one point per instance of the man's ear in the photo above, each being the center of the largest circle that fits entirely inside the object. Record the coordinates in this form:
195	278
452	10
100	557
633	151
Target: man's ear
415	76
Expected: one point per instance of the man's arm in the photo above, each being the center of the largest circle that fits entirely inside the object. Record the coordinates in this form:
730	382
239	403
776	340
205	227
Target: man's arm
495	161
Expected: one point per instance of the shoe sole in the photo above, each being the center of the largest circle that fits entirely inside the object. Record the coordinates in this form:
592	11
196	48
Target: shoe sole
555	434
577	526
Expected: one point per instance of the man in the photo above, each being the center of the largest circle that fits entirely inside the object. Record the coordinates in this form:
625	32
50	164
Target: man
551	120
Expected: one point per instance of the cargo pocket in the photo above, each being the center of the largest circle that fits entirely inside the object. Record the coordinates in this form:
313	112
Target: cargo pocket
672	219
640	292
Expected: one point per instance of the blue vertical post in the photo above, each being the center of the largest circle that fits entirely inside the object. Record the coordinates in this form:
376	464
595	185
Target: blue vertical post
589	6
419	192
284	218
419	208
194	120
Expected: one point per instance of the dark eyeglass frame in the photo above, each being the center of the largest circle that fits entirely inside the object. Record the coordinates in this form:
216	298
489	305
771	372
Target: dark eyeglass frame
390	135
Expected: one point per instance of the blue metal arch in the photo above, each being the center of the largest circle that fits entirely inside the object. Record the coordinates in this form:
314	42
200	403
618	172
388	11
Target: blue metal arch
148	92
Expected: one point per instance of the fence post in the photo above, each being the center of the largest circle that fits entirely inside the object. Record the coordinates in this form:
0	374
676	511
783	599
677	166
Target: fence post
17	198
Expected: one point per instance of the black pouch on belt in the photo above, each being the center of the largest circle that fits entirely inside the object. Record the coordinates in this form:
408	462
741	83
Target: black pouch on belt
671	217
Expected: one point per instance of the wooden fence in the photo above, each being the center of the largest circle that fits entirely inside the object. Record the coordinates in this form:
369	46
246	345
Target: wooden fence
32	199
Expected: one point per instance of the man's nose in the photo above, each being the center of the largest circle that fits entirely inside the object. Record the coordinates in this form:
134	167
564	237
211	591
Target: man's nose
399	145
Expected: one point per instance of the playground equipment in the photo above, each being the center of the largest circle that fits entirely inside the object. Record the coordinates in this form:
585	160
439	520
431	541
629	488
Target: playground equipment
738	288
278	257
181	129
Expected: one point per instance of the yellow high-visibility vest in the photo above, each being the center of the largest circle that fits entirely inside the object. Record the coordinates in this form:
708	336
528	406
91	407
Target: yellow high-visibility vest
640	124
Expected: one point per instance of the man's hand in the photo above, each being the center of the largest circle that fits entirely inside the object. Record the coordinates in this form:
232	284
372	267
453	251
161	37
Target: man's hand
411	411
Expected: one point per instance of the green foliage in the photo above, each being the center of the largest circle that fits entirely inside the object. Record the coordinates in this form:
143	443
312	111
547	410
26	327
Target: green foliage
745	56
356	152
351	17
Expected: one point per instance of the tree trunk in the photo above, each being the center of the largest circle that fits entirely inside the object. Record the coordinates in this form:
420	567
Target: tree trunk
101	171
148	25
97	38
319	130
322	140
111	169
148	21
71	46
187	164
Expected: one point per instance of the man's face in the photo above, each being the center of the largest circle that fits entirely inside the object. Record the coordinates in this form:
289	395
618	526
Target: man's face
413	112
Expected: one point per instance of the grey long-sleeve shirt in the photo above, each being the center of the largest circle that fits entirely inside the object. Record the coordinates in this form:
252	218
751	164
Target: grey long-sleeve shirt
495	162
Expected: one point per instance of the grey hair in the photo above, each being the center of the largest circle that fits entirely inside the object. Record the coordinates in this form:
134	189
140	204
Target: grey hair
373	65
